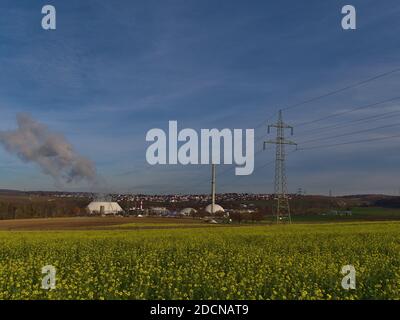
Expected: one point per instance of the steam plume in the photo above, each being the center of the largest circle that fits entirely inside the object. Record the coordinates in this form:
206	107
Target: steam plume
33	142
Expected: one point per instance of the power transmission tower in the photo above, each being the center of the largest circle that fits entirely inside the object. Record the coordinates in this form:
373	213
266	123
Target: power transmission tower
281	197
300	191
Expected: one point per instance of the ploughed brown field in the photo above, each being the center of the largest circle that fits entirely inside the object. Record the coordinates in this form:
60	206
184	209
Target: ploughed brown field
85	223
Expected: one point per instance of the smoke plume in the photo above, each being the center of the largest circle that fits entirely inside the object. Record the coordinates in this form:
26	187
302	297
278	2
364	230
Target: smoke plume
33	142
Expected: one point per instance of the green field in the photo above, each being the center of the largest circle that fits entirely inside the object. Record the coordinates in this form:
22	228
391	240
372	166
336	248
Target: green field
300	261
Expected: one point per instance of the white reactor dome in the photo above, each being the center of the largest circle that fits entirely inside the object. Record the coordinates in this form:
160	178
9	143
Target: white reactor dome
217	208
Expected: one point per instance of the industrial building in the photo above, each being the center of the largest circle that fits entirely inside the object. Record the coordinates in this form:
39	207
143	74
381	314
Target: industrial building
104	208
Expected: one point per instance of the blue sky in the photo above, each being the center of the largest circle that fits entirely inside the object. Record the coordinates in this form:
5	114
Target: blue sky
115	69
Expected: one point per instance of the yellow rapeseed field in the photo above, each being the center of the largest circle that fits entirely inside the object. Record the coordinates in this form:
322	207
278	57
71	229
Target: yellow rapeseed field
263	262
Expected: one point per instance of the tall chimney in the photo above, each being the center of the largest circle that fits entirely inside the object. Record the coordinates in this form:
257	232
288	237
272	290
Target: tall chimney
212	188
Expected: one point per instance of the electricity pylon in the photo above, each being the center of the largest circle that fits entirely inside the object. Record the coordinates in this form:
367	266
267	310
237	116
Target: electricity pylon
281	197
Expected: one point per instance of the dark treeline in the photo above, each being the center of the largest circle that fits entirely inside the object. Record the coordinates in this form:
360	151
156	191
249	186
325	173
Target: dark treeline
40	207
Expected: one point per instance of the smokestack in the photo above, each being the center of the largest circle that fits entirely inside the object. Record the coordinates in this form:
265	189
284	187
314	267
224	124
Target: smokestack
33	142
212	188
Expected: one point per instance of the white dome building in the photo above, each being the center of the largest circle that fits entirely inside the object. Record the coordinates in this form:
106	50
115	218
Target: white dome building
104	208
187	211
217	208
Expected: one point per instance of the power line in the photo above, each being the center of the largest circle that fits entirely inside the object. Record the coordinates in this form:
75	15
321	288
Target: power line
349	123
350	142
331	145
348	111
351	133
351	86
333	92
